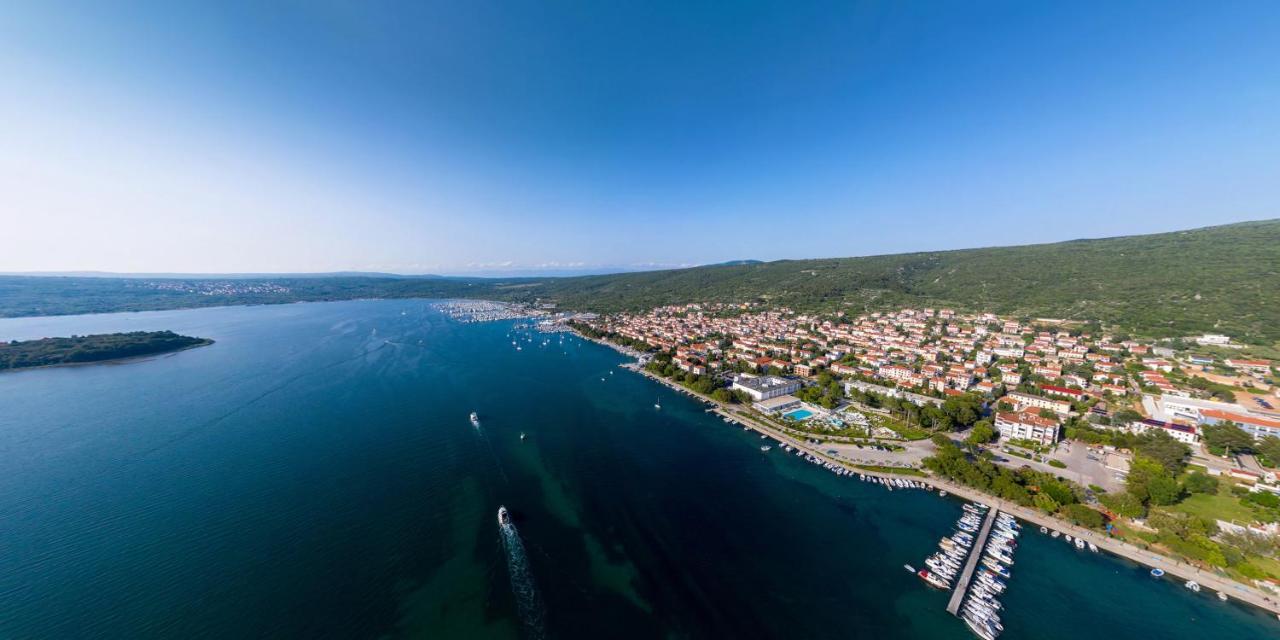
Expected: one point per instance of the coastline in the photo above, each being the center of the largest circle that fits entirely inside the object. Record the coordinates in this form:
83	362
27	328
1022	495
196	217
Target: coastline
1145	557
125	360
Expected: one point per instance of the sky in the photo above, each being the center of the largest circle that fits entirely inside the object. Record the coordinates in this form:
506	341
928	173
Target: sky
476	137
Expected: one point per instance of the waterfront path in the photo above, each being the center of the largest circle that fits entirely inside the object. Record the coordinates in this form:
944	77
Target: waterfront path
979	543
1175	568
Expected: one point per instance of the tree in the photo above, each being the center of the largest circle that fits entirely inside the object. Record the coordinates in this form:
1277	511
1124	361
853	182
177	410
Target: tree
1269	448
1123	504
963	410
1226	436
1159	446
1125	416
1083	516
1144	472
1045	503
1048	415
981	433
1201	483
1164	490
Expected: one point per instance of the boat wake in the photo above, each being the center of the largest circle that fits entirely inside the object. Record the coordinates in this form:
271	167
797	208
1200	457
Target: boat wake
528	604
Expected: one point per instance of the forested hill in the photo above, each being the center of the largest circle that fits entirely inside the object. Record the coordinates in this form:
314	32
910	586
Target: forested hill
49	352
1224	279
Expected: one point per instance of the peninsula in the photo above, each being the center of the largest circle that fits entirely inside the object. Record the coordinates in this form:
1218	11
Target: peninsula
50	352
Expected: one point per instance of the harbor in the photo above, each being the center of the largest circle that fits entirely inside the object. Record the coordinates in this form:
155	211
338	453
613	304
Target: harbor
962	587
1173	568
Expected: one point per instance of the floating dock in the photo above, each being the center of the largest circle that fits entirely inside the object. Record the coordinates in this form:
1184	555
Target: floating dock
975	552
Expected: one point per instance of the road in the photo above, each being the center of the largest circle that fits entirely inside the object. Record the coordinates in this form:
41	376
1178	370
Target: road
1115	546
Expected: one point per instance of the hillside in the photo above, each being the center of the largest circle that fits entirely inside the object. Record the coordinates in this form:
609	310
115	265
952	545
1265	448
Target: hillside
1224	279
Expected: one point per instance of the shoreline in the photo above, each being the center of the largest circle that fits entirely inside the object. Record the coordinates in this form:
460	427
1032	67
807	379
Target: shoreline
125	360
1236	590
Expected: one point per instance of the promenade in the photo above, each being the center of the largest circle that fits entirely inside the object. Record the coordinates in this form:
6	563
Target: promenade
979	543
1172	567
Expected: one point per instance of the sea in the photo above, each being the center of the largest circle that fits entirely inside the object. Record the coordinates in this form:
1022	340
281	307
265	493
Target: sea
314	474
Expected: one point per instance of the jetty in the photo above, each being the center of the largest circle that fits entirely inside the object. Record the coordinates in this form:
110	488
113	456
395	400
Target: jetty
980	543
1118	547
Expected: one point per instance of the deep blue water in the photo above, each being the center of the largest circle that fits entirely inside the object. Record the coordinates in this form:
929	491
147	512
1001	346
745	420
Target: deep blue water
314	475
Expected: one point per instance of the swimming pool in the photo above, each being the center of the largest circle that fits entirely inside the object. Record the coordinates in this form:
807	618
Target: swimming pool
799	414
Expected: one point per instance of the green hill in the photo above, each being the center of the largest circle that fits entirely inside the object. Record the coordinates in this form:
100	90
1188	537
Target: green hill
1224	279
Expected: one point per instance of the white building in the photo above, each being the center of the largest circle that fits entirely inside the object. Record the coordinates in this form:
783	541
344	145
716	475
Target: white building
1025	425
764	387
1180	432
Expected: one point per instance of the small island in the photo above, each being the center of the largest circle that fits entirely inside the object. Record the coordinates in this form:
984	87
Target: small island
51	352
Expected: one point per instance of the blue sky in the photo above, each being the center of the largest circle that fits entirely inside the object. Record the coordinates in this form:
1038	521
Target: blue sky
538	137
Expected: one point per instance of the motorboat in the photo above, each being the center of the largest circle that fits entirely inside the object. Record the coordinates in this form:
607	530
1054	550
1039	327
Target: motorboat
475	419
504	518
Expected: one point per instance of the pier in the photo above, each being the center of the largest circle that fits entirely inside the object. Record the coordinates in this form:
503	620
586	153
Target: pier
979	544
1174	568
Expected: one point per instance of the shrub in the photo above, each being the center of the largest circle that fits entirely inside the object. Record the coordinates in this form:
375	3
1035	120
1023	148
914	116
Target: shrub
1083	516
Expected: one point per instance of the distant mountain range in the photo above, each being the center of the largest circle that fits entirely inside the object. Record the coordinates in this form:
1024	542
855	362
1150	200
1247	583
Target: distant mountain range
1224	279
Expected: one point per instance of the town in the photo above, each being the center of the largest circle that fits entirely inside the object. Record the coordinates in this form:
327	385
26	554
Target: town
1151	439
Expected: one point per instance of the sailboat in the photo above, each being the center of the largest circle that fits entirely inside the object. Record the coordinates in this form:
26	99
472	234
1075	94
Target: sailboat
657	404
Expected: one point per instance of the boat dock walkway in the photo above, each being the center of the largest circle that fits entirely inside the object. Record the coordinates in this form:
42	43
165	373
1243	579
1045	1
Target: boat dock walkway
979	543
1121	548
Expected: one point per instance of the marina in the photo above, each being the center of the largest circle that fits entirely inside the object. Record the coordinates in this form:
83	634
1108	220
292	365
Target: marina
622	530
953	606
1055	527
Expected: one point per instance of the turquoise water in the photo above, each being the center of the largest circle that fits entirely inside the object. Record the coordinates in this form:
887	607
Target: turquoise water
799	414
314	475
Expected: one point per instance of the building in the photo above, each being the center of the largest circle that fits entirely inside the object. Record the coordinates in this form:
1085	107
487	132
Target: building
1026	425
764	387
1064	392
1256	426
779	404
1213	339
1254	367
1192	408
1022	401
1185	434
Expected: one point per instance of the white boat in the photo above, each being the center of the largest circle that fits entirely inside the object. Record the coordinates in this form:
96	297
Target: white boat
657	404
522	436
1055	534
475	419
1079	543
1044	530
1222	596
1093	547
1193	585
765	448
504	518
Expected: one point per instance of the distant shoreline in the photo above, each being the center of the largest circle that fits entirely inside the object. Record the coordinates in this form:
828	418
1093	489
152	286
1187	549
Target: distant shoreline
202	342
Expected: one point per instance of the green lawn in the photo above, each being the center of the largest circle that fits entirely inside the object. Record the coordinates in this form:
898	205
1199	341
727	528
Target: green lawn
1219	507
